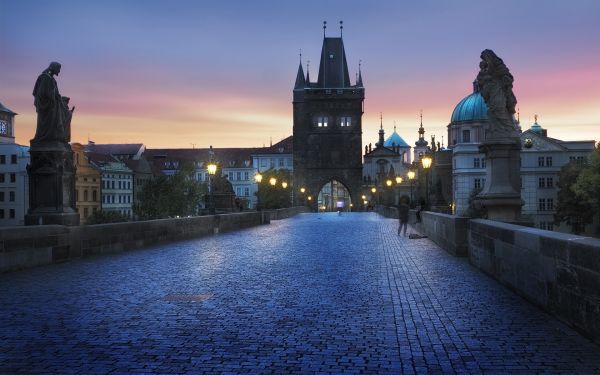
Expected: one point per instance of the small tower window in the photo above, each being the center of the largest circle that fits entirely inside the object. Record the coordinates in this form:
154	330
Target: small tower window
466	135
322	121
345	121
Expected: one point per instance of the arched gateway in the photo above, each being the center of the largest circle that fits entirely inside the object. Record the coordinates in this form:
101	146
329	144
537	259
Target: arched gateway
328	127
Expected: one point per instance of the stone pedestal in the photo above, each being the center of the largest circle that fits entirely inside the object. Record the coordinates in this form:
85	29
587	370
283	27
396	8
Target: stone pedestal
51	185
501	194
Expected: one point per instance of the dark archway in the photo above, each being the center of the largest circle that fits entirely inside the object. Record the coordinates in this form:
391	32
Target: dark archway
334	196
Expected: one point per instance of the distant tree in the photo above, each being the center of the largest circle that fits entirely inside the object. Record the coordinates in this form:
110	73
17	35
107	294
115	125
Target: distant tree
272	197
104	217
570	207
587	185
170	196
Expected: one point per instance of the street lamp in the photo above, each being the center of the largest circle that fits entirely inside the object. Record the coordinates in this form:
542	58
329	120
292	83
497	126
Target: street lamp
284	185
258	178
426	162
411	177
302	190
273	181
212	169
388	183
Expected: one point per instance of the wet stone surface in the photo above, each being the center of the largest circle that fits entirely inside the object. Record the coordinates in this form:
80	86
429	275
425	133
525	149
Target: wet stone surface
315	293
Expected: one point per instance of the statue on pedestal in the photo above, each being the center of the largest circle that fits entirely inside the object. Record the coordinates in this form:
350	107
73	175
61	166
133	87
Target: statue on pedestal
501	194
496	83
51	170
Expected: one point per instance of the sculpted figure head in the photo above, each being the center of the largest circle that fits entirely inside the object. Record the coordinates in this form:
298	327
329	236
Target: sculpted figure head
54	68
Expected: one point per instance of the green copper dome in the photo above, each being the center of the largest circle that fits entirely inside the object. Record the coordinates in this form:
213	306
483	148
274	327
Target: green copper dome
471	108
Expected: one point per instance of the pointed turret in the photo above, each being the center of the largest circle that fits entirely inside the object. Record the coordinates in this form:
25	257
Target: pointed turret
333	68
381	132
359	82
300	82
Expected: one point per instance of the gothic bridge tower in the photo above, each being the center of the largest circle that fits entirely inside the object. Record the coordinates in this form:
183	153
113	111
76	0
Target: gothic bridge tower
328	128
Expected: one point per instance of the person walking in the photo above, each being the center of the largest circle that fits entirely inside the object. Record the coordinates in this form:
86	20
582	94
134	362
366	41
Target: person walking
403	215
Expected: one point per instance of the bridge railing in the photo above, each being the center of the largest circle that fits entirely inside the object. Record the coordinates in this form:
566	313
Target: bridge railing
557	271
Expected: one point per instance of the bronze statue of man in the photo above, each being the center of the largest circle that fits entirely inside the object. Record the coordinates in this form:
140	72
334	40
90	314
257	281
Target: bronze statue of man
496	83
49	107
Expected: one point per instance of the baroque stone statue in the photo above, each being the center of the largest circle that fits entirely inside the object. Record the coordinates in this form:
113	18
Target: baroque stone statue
51	170
496	84
54	115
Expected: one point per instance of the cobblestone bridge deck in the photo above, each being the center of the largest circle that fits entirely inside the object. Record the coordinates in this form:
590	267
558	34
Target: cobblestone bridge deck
318	292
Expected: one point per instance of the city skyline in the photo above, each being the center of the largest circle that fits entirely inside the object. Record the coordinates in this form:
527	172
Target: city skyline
222	74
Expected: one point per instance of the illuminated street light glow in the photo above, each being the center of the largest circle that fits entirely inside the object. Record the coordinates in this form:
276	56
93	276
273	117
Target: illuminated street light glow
212	168
398	180
284	184
273	181
411	175
388	182
426	161
258	178
373	190
302	190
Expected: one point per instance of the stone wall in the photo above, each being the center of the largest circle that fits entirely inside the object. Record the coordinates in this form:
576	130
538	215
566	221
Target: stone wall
284	213
556	271
30	246
447	231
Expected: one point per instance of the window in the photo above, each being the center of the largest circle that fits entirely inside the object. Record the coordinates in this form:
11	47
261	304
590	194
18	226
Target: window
1	177
263	162
549	204
345	121
542	204
483	163
85	195
322	121
238	175
11	213
2	213
548	161
2	159
549	182
13	177
230	176
246	176
466	135
13	159
1	196
477	183
246	191
112	185
281	162
85	212
541	182
476	163
94	195
540	161
11	196
546	225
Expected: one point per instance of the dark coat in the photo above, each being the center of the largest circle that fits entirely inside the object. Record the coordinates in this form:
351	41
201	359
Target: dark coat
403	212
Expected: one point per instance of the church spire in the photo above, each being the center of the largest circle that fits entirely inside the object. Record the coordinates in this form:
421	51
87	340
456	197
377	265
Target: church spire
359	82
381	131
421	141
300	81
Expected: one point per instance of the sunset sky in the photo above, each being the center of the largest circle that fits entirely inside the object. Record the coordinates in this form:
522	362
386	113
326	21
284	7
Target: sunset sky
182	73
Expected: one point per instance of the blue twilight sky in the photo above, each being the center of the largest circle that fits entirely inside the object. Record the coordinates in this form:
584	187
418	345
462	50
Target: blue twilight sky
172	73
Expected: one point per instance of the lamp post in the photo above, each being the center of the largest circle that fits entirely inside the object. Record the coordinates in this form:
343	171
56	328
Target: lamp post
258	178
411	176
426	162
212	169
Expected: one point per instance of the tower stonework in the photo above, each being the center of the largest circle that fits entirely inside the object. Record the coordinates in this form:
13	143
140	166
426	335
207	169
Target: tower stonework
328	125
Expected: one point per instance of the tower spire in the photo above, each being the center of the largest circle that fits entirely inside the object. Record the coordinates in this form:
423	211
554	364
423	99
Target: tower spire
381	131
341	29
324	27
359	82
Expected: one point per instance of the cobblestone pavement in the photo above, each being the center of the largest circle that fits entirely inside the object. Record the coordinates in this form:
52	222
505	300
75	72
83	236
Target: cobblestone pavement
315	293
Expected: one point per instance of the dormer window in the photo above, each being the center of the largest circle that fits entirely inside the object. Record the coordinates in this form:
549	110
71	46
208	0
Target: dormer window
345	121
322	121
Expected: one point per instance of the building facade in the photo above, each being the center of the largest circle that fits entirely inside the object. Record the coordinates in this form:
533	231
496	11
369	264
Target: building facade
117	183
88	182
327	126
14	184
542	157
